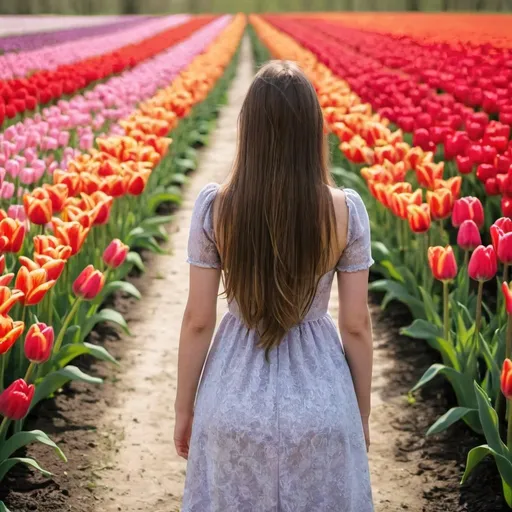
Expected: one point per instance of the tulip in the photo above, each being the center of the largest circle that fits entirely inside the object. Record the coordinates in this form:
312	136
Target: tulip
468	208
419	218
15	400
483	264
50	246
468	237
442	263
506	206
72	234
506	379
89	283
39	211
34	284
507	294
53	267
57	194
485	172
400	202
115	254
12	234
39	343
421	138
440	202
8	298
428	172
9	332
492	187
17	211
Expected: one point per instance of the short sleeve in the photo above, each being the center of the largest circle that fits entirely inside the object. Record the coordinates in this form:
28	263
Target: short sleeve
357	254
202	250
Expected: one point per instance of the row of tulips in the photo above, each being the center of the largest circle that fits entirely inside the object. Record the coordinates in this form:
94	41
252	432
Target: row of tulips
20	95
63	265
31	151
440	123
444	287
36	40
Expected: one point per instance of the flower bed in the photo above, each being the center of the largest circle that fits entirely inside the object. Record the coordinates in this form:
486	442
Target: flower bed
421	207
78	238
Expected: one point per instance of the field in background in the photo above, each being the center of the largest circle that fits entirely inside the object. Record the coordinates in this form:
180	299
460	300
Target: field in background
162	6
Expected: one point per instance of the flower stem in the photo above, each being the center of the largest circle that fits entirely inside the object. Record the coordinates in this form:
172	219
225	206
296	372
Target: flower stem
3	428
509	427
30	370
478	316
65	325
446	310
2	371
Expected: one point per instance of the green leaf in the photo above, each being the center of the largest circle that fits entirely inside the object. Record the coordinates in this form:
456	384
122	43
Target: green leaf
8	464
185	165
430	307
150	244
393	272
105	315
489	421
380	252
399	292
133	258
163	197
21	439
116	286
157	220
179	178
475	456
448	419
421	329
69	352
3	508
55	380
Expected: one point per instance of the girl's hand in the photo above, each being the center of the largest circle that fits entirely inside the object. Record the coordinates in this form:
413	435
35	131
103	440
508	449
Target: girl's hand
366	430
182	432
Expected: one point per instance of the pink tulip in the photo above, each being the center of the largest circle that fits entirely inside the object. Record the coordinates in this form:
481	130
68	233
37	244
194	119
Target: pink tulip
17	212
30	154
51	168
63	138
12	167
7	190
27	176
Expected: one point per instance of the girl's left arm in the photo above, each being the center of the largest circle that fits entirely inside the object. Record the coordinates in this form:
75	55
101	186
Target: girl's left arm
197	330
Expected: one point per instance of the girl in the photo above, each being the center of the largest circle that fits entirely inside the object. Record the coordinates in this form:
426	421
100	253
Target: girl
280	421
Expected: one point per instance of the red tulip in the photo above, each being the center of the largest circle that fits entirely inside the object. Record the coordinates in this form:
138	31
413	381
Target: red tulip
506	206
468	237
442	263
503	163
467	208
483	264
485	172
115	254
89	283
421	138
492	187
464	164
15	400
475	154
34	284
38	210
39	343
507	293
506	379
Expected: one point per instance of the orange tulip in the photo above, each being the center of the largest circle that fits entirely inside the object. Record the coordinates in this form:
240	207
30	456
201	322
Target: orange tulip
507	293
9	332
34	284
8	298
416	156
38	208
419	217
89	283
452	184
115	186
102	208
51	246
12	234
427	174
74	213
357	154
440	202
53	267
442	263
70	179
58	195
400	202
70	233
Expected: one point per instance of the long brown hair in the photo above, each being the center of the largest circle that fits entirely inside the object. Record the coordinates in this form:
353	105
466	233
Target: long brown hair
275	218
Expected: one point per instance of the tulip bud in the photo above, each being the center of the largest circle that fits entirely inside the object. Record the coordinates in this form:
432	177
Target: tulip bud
468	237
464	164
442	263
506	379
507	293
483	264
89	283
15	400
115	254
467	208
39	343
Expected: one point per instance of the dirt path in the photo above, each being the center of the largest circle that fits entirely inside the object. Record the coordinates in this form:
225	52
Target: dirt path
145	473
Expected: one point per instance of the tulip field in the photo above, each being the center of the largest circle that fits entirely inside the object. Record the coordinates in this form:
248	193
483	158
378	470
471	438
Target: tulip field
100	128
